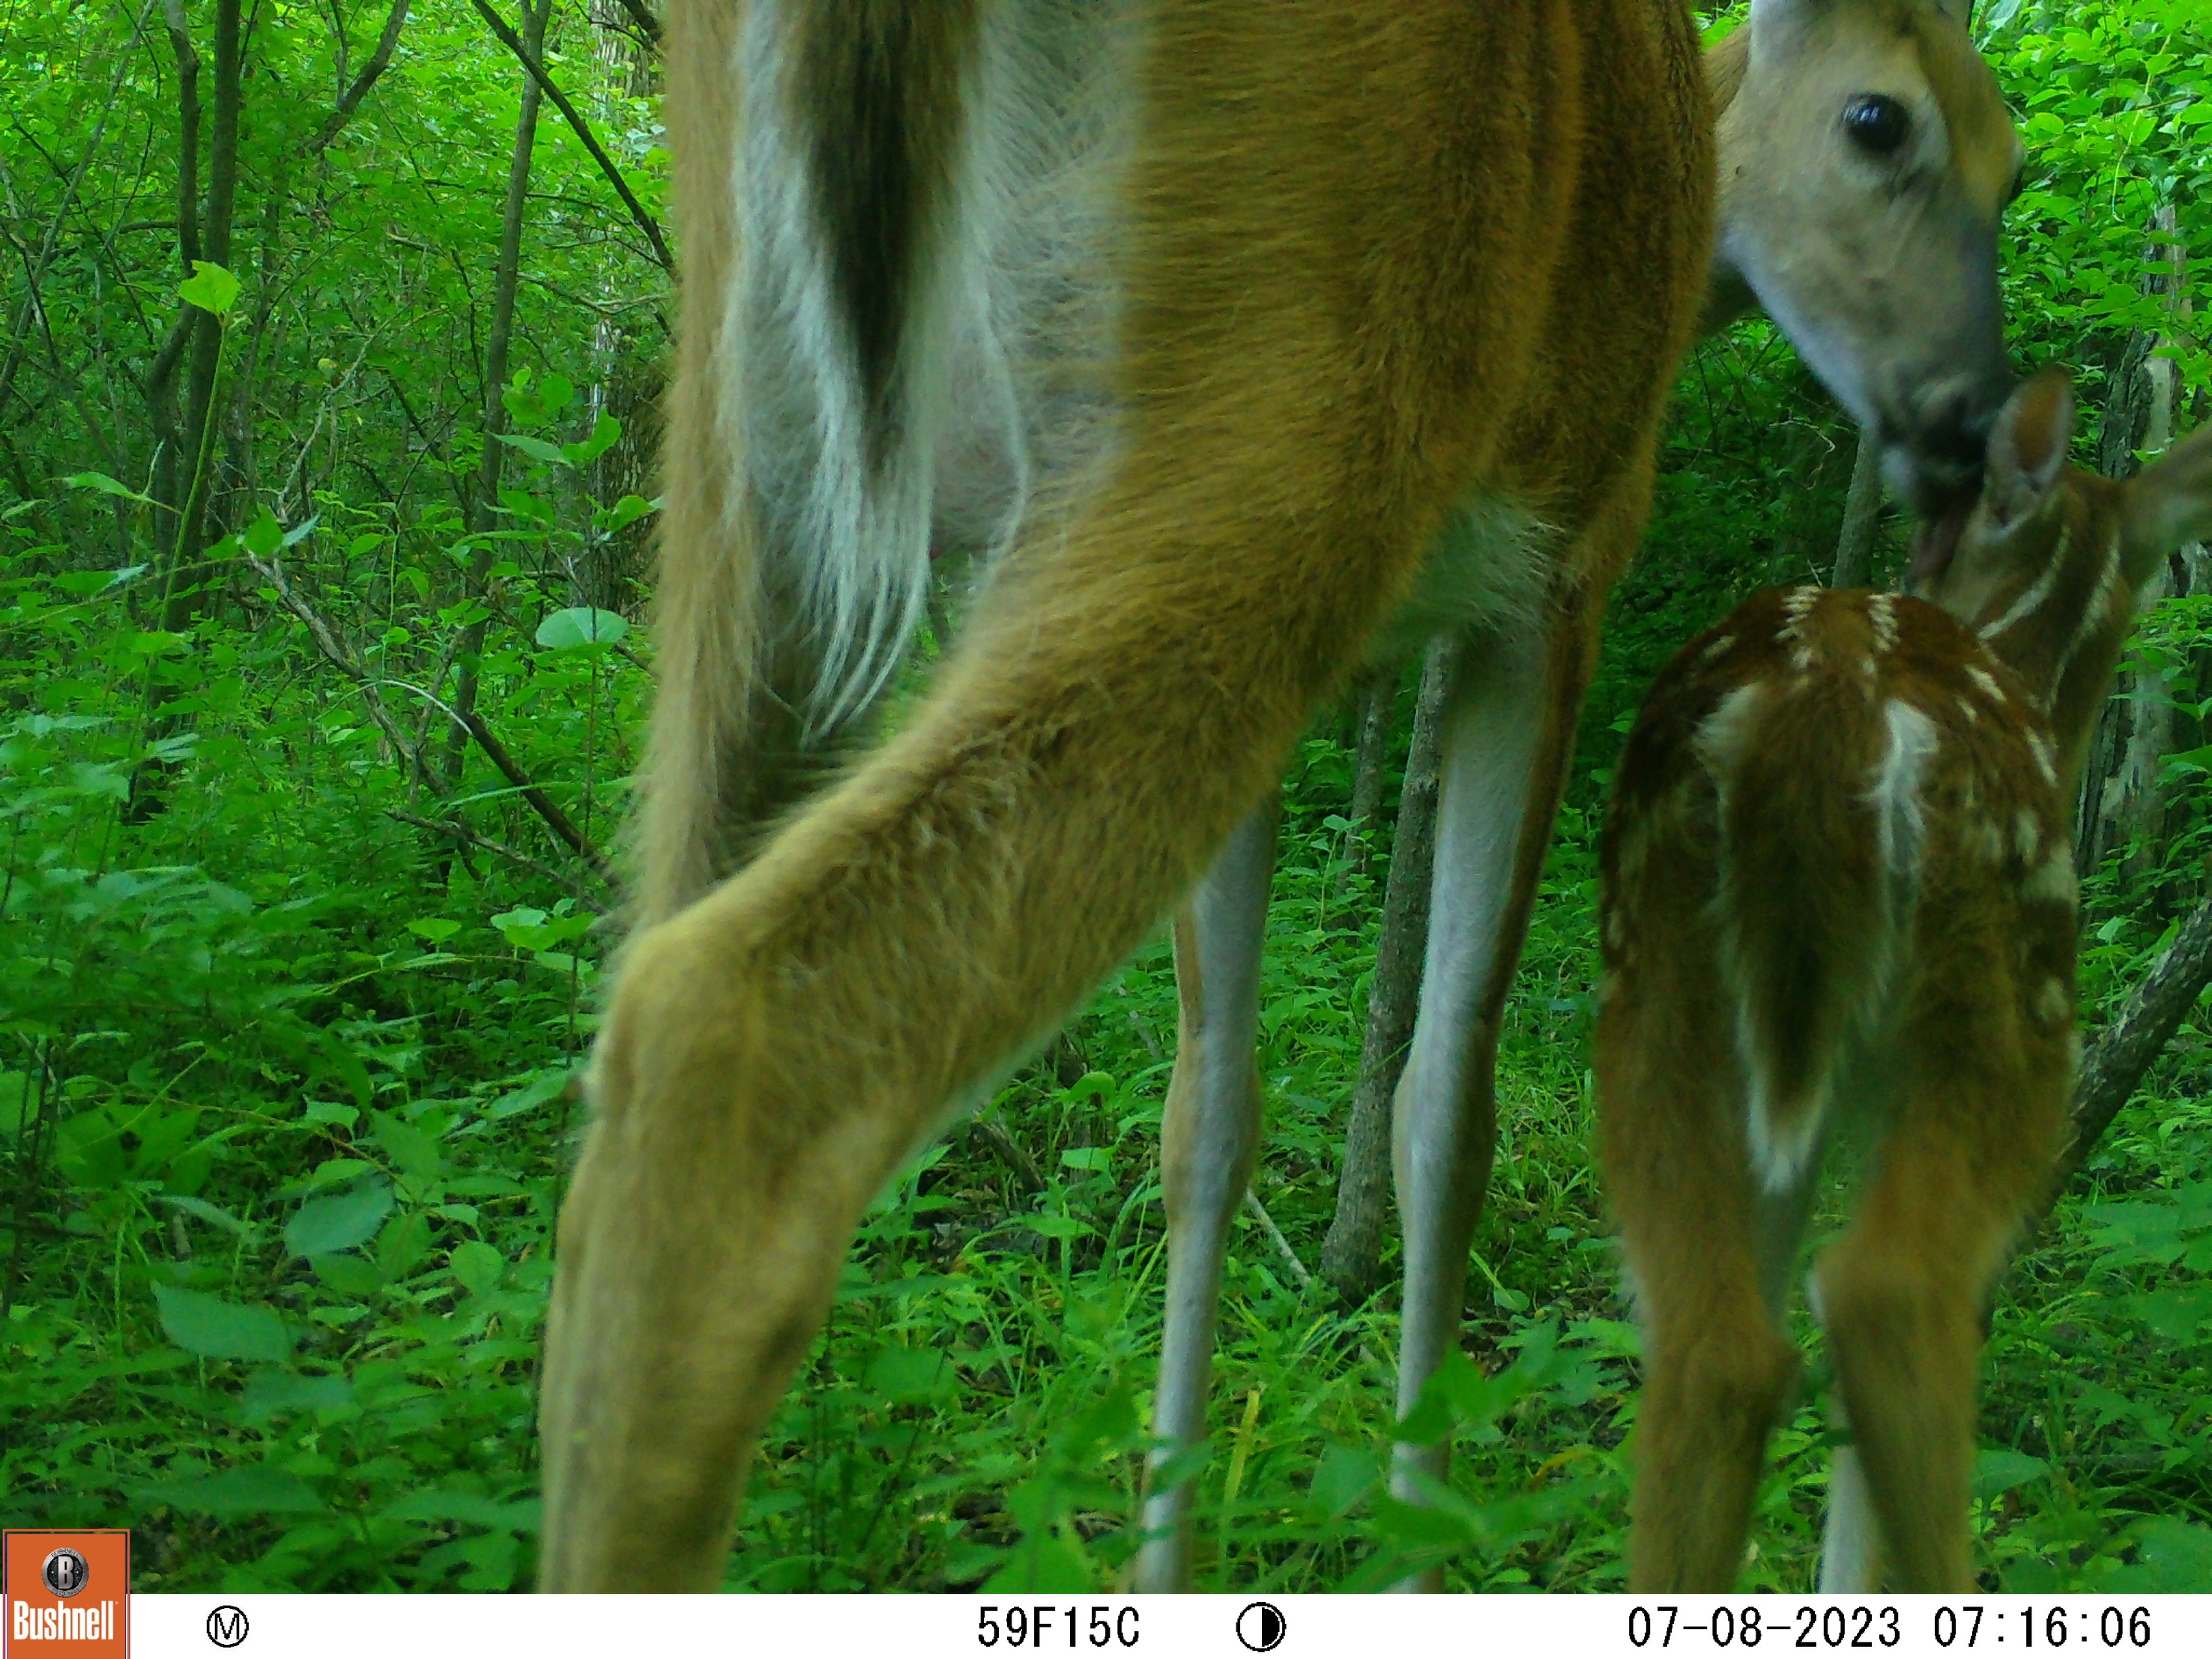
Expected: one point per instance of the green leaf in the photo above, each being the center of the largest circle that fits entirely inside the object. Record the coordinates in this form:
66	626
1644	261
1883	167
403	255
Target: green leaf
405	1242
436	929
349	1275
902	1376
413	1152
287	1394
1088	1157
477	1266
215	1329
209	286
1345	1476
325	1225
1999	1469
624	512
107	486
256	1489
470	1508
545	1086
263	536
581	624
606	433
537	448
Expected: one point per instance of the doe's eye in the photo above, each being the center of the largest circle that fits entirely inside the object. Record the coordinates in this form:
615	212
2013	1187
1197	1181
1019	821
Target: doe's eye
1876	123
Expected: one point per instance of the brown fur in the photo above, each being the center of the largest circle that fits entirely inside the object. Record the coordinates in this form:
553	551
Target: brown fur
1754	827
1354	292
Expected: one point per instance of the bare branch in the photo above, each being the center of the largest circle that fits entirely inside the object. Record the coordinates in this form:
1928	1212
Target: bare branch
545	806
334	649
647	224
349	101
456	830
1275	1237
648	24
2131	1040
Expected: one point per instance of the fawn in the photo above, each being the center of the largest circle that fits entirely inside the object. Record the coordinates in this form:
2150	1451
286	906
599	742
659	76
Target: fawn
1838	891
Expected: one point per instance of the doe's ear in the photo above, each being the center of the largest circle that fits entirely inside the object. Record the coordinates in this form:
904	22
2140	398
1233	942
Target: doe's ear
1777	28
2168	503
2028	448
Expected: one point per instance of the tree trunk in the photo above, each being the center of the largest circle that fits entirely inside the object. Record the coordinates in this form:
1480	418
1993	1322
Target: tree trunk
182	479
1377	696
183	599
2119	805
1351	1257
484	507
2115	1063
1862	515
162	377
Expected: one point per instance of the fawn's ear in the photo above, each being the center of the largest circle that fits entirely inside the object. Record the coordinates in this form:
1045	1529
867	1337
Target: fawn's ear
2027	448
2170	502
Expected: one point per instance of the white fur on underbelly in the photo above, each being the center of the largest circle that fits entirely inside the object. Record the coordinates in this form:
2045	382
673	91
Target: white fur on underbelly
1489	569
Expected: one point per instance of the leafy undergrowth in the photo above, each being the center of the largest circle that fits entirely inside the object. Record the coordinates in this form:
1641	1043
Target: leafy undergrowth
288	1145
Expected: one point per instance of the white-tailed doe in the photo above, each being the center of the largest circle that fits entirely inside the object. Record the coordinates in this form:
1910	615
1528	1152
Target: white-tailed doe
1248	342
1839	892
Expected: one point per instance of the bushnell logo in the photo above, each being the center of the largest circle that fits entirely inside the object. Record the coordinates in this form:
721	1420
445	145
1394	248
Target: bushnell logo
65	1573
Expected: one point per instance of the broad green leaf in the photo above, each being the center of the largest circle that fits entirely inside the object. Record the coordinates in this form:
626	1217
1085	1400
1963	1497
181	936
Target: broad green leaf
403	1245
1999	1469
256	1489
324	1225
349	1275
545	1086
265	535
476	1265
107	486
286	1394
537	448
436	929
215	1329
581	624
901	1376
413	1152
606	432
624	512
209	286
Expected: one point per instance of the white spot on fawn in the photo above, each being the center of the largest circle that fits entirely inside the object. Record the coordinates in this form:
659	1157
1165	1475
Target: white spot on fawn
2052	1003
2039	746
1987	685
2027	834
1895	796
2052	881
1881	611
1723	736
1719	649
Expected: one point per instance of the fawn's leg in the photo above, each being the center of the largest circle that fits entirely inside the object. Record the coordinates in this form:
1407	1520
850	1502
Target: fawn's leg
1209	1138
1702	1243
1902	1292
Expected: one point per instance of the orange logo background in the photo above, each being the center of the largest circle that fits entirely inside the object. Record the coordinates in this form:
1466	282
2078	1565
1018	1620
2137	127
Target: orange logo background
108	1556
